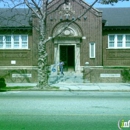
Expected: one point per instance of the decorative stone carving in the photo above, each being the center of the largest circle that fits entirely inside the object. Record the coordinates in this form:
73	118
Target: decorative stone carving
67	10
67	32
72	30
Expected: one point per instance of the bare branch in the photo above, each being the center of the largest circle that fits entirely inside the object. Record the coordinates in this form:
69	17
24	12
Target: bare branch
17	5
33	10
87	10
38	8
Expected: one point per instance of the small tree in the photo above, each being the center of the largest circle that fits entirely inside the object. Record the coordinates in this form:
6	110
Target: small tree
125	75
2	83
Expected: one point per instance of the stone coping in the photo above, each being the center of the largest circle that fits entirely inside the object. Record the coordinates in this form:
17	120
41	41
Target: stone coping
18	67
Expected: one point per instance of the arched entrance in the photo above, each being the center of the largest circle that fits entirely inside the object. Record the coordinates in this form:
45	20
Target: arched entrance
67	46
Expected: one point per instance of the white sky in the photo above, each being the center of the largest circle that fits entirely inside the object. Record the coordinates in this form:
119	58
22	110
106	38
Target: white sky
119	4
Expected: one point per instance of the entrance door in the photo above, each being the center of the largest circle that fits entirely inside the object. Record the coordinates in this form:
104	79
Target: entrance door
67	54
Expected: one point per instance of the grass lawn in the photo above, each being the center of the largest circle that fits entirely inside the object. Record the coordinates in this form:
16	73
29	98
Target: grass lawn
18	88
15	88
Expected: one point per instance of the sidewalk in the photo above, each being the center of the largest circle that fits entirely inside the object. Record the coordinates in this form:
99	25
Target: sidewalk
94	86
81	86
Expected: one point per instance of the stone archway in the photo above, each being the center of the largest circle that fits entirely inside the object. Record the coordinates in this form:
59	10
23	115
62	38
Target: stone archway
71	36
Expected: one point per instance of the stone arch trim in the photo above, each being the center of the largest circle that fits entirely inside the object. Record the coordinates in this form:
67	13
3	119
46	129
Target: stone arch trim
73	30
70	36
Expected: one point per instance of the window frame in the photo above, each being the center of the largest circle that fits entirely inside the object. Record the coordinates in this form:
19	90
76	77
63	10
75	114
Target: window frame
6	41
2	41
90	50
13	41
116	41
111	41
128	40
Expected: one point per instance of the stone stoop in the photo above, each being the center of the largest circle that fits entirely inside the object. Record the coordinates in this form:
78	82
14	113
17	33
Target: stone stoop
68	77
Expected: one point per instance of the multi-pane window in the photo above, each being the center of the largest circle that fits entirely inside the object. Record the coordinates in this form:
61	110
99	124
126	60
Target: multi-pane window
16	41
8	41
92	50
13	41
127	40
1	41
119	41
111	40
24	41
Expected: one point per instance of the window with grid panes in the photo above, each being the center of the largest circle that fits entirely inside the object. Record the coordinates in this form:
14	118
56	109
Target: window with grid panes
8	41
127	40
24	41
119	41
16	41
111	40
13	41
1	42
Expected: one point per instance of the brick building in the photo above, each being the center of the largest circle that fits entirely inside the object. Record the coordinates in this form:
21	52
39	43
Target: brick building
100	38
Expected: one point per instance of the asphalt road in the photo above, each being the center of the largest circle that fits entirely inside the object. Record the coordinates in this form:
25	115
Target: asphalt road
63	110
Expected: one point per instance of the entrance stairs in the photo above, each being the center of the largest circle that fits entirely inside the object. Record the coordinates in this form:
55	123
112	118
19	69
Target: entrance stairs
68	77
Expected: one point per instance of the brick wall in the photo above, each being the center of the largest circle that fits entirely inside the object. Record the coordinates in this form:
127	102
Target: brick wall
102	75
19	75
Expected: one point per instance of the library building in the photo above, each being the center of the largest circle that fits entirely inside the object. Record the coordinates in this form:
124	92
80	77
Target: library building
94	48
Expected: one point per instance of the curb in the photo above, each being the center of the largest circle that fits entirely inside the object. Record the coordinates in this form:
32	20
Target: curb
96	90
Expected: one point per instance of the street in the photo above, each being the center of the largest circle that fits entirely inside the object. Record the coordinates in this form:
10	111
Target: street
63	110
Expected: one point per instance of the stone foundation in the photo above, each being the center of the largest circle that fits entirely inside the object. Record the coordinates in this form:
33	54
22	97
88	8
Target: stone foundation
102	75
19	74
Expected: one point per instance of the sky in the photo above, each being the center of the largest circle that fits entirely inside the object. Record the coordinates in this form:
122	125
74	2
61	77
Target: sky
97	5
119	4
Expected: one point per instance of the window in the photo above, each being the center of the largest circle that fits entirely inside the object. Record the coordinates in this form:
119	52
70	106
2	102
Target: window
119	41
24	41
92	50
8	41
111	40
127	40
13	42
1	42
16	41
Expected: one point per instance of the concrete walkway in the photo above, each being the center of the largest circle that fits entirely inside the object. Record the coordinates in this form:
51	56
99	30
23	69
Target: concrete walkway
81	86
94	86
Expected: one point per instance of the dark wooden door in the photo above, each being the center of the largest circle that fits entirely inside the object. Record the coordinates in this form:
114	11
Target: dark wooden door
67	55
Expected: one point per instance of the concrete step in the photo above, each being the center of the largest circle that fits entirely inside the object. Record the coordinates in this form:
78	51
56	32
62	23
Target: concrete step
68	77
71	79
